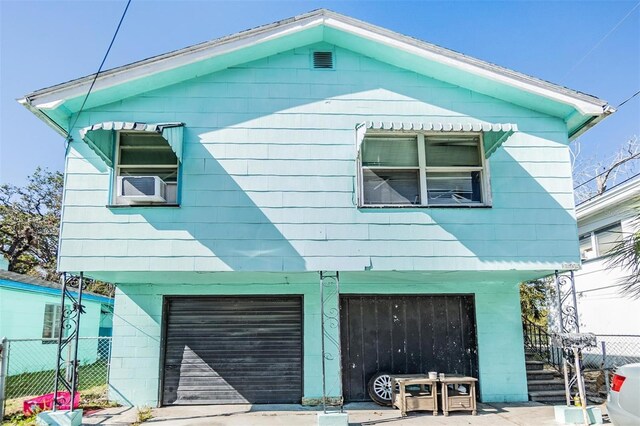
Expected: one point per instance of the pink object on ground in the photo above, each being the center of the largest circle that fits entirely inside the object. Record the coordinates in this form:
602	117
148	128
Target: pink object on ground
45	402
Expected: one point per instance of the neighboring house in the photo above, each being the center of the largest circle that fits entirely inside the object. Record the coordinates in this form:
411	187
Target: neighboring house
30	309
602	222
214	183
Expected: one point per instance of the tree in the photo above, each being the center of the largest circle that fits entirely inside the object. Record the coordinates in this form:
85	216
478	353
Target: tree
534	300
592	176
626	256
30	222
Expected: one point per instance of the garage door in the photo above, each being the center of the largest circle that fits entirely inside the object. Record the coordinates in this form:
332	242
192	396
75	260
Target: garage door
227	350
405	335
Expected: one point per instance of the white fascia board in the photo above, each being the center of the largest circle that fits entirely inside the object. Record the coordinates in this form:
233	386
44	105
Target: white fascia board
613	198
472	66
53	97
44	117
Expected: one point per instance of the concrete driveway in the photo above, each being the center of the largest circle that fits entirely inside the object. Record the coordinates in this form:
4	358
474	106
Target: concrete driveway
365	414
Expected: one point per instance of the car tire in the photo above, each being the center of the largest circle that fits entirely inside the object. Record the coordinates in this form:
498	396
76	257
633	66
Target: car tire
379	389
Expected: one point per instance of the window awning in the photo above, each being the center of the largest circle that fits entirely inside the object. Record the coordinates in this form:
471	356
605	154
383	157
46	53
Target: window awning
494	134
101	137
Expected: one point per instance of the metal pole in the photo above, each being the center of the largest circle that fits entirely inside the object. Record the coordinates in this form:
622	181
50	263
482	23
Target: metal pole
567	390
60	331
605	370
324	379
74	365
4	364
559	294
575	302
339	341
581	390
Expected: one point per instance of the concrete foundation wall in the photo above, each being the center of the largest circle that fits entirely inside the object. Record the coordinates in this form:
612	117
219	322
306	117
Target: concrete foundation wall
136	370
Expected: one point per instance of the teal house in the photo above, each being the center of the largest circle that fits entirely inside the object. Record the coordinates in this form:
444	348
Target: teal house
30	314
317	173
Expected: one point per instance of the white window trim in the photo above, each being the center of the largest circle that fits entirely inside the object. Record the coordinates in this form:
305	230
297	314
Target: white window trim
117	167
55	321
423	169
593	238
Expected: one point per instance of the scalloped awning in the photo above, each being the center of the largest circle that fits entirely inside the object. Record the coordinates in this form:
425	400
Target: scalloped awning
101	137
494	134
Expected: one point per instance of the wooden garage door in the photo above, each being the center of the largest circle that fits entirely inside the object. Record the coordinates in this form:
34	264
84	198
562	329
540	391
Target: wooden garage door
227	350
405	335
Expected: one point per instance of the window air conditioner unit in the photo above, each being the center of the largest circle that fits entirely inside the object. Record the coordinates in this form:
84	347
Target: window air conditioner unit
141	189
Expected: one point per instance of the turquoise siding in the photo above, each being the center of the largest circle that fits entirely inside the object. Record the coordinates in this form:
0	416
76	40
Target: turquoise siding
135	371
268	198
268	180
22	317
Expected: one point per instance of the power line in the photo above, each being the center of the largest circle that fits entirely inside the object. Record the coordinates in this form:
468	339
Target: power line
595	46
605	172
629	98
95	77
600	288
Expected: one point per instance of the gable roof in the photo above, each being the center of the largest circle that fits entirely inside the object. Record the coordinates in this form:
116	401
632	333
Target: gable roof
580	111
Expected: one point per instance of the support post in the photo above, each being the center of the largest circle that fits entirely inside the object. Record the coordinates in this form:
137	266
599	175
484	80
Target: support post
605	370
4	366
74	363
330	345
71	310
581	389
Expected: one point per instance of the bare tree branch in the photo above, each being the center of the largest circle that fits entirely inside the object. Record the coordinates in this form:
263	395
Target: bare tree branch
593	175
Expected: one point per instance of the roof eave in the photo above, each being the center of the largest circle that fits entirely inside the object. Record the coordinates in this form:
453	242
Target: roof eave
589	110
615	196
589	122
25	102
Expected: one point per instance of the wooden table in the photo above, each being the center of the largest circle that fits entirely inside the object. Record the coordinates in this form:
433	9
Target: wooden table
455	400
424	397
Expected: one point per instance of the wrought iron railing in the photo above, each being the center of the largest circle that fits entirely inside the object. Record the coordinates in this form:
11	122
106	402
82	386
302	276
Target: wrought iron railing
538	341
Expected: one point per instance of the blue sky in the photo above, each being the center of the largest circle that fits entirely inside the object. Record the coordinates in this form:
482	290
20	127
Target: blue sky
579	44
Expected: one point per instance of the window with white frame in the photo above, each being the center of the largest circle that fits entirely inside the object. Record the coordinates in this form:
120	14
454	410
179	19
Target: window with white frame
600	242
51	323
147	169
423	170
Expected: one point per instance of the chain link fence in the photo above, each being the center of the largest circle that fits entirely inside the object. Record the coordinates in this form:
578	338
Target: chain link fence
29	367
613	350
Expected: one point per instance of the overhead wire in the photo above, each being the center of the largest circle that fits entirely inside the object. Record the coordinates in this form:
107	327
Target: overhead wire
595	46
628	99
634	156
95	77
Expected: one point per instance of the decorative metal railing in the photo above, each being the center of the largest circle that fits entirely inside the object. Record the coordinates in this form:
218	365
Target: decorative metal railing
66	376
538	341
330	331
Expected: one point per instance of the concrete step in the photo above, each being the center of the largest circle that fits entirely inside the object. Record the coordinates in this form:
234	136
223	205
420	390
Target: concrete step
534	365
544	385
541	374
548	396
531	356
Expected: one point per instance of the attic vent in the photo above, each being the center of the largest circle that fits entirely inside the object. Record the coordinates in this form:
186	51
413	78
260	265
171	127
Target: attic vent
323	60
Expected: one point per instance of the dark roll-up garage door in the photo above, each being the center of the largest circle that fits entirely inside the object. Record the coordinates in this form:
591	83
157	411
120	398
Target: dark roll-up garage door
227	350
405	335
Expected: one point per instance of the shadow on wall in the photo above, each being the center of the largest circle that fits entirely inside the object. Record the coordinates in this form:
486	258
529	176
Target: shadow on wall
526	222
219	214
